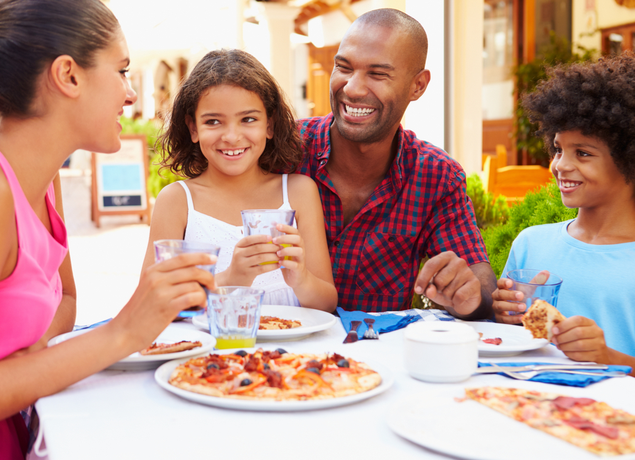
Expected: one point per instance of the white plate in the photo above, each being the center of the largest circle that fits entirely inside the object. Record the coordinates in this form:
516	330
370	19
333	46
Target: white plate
516	339
163	373
473	431
173	333
312	321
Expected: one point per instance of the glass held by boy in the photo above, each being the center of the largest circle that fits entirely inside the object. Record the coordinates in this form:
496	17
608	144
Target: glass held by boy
586	114
64	87
230	131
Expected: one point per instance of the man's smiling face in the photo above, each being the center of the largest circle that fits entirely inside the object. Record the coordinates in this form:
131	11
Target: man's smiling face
371	82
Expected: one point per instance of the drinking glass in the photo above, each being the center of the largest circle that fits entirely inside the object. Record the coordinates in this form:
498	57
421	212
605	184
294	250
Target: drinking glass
166	249
264	221
233	313
535	284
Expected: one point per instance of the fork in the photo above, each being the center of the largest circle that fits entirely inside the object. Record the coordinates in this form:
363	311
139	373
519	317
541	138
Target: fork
370	332
531	374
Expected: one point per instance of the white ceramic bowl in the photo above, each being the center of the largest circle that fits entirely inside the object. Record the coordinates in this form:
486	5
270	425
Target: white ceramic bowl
440	351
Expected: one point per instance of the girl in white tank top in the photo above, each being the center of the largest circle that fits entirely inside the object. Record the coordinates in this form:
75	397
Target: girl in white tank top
229	133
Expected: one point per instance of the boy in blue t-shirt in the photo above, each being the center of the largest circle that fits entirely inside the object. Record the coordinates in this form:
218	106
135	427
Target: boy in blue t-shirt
586	114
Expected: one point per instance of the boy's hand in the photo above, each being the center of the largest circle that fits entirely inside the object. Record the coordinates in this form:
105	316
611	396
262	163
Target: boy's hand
249	253
506	301
581	340
295	271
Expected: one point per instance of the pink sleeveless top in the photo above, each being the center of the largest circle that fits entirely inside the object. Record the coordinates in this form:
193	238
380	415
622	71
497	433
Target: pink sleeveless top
29	296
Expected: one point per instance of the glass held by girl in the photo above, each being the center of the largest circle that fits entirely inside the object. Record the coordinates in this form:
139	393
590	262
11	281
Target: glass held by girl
230	133
63	88
586	114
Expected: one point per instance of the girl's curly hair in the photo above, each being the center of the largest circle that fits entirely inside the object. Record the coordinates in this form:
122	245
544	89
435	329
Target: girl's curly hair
180	155
597	99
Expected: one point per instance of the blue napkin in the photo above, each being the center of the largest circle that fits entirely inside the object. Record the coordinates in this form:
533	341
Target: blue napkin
560	378
383	323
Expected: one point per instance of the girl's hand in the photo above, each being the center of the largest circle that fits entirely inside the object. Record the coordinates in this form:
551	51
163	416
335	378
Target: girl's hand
253	256
164	289
506	301
292	245
581	339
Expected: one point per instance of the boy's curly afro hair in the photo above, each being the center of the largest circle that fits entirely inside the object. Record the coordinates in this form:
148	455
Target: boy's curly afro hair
597	99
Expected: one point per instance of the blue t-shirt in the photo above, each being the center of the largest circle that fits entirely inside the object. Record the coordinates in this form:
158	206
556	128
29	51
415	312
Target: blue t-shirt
598	280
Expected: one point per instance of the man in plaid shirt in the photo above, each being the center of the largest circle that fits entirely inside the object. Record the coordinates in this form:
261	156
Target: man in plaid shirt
389	198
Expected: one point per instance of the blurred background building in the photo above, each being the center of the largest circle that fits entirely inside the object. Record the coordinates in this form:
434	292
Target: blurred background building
469	106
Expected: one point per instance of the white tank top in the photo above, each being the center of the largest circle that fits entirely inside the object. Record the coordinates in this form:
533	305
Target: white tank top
204	228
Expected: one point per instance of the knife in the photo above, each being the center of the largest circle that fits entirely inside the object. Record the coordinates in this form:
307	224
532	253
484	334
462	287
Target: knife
538	367
352	334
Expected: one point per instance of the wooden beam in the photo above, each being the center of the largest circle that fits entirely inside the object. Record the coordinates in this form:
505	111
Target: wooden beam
320	7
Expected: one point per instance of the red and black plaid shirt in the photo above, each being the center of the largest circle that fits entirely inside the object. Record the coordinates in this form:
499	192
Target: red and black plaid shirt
419	209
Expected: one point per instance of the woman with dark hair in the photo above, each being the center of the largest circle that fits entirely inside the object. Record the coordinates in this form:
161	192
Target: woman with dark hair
229	133
586	114
63	87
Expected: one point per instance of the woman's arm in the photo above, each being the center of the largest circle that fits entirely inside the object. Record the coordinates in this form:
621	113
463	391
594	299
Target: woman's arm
163	291
169	219
310	273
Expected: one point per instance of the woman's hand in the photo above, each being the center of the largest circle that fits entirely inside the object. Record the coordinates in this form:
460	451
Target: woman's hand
508	305
253	256
291	245
165	289
581	339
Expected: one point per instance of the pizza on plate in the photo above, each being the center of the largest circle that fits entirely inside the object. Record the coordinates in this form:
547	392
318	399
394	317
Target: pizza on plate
268	323
163	348
541	318
275	375
584	422
491	340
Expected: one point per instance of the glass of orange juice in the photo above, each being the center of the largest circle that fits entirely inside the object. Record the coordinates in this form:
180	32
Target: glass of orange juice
233	313
264	221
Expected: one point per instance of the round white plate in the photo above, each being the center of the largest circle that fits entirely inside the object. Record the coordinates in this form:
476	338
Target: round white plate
470	430
516	339
173	333
312	321
163	373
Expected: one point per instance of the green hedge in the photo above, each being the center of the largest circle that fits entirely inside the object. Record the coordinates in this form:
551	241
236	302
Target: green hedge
544	206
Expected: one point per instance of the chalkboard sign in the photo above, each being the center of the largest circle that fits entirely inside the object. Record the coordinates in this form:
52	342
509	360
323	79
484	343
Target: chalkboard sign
120	180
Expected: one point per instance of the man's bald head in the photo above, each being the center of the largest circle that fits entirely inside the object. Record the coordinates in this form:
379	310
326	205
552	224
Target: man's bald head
401	22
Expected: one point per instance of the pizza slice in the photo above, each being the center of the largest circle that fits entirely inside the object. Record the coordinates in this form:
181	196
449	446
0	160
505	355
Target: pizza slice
163	348
583	422
541	318
274	323
275	376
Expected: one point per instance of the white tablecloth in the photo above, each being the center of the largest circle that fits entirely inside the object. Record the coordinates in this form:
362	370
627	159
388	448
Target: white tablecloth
126	415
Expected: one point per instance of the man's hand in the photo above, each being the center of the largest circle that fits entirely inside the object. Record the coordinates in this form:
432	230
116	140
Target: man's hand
447	280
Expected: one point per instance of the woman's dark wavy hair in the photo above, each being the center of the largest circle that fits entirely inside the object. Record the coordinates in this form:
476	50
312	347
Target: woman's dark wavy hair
597	99
237	68
33	33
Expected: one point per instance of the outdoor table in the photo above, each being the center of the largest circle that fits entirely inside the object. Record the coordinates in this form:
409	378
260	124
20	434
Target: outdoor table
126	415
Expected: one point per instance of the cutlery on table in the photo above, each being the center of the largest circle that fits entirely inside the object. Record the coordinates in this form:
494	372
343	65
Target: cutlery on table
495	369
527	375
352	335
370	332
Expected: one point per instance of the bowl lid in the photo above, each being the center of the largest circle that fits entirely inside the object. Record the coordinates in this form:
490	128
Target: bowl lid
440	332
